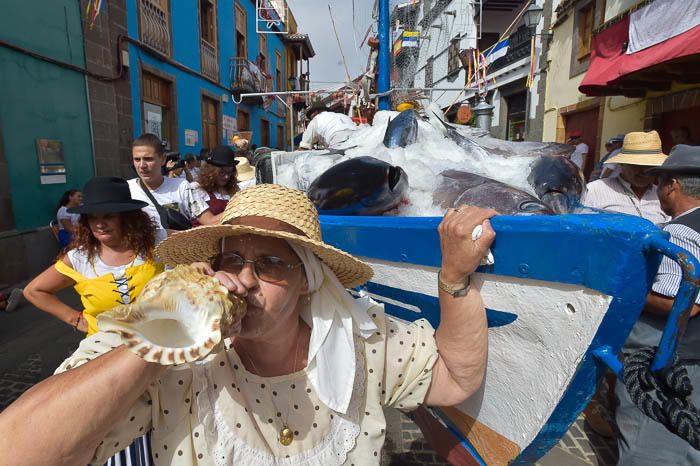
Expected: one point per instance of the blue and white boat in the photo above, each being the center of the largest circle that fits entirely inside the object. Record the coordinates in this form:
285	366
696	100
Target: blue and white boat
561	298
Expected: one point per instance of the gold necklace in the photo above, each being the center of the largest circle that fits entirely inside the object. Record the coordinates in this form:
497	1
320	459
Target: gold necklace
286	435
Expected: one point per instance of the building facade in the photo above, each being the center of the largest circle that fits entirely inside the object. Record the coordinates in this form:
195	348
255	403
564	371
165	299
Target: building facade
45	131
604	94
186	58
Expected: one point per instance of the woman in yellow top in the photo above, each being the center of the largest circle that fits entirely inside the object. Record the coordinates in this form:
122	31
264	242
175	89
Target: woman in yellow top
108	262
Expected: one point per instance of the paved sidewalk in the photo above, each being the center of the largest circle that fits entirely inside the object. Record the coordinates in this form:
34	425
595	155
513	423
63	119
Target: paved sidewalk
581	446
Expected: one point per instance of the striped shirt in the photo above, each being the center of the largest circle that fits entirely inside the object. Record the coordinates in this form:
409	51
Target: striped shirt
616	195
685	232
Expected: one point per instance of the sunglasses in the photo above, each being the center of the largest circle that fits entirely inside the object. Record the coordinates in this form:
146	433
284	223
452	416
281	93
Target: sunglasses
267	268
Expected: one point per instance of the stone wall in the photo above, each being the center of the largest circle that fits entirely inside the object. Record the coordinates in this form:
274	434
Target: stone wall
110	99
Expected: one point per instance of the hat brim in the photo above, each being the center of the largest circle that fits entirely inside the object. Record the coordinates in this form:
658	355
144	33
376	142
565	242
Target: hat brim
219	164
202	243
245	176
108	207
679	170
648	159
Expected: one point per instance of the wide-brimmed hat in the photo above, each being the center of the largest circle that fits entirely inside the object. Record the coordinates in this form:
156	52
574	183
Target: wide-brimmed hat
316	107
258	205
640	148
683	159
244	170
107	195
221	156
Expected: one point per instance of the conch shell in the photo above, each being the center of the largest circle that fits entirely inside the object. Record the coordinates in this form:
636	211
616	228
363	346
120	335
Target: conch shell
180	316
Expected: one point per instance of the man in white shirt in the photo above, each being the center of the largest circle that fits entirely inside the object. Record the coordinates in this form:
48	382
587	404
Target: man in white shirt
632	192
175	193
580	153
327	129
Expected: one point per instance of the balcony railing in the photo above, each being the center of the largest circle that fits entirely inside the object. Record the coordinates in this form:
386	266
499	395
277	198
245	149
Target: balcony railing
210	60
155	30
247	77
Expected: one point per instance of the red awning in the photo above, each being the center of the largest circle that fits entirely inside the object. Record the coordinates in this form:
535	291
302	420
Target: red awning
614	72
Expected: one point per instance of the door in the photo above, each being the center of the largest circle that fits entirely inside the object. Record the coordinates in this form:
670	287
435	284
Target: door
210	122
586	122
280	136
264	133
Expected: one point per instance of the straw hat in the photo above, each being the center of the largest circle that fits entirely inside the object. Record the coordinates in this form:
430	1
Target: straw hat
258	205
244	171
640	148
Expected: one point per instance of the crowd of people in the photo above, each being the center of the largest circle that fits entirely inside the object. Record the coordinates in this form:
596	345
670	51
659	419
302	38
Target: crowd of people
293	381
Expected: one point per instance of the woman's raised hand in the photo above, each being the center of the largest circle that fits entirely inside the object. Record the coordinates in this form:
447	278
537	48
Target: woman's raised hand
461	254
203	267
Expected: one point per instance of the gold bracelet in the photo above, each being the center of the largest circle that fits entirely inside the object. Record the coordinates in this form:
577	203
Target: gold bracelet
454	292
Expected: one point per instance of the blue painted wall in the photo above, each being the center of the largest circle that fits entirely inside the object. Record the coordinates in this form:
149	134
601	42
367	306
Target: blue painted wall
184	18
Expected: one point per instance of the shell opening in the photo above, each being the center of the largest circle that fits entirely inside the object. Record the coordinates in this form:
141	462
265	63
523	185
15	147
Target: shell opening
168	333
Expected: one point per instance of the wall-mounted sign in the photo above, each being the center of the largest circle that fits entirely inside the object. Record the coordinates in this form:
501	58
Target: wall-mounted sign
191	137
52	167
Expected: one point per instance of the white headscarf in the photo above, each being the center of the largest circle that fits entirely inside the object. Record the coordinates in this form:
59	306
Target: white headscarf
334	316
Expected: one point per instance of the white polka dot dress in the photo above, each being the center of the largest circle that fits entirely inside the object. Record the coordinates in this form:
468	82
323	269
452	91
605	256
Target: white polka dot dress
217	413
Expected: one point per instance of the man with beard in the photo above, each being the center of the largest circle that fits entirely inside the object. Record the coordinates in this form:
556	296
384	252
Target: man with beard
633	191
643	441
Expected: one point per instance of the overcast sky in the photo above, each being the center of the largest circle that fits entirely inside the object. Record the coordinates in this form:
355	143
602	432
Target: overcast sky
313	18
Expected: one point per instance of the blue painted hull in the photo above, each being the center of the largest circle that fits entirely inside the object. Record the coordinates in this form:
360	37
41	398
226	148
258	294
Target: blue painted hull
606	253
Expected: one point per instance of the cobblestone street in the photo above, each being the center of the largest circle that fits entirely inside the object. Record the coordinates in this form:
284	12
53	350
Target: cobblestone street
32	344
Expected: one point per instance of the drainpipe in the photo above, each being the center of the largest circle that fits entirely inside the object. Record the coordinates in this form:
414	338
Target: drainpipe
384	55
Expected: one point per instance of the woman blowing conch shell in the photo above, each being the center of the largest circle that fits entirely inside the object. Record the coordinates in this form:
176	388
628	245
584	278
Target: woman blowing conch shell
305	379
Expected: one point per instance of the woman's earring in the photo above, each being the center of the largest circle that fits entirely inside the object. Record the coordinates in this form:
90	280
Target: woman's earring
307	299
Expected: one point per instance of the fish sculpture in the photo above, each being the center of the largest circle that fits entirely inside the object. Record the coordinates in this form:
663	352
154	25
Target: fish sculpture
181	316
457	188
359	186
558	182
402	131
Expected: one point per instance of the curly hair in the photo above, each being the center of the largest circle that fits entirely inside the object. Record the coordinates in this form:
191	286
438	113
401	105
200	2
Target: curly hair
208	180
138	230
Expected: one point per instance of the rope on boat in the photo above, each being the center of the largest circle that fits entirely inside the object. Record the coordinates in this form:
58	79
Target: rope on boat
664	396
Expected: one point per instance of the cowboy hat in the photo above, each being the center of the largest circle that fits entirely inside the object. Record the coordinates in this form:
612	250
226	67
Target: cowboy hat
640	148
682	160
315	107
253	211
107	195
221	156
244	171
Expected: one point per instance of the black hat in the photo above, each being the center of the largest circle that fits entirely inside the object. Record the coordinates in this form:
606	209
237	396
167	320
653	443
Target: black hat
317	106
221	156
683	159
107	195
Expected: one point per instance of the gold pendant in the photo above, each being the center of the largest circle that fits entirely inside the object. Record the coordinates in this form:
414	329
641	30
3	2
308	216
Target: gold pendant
286	435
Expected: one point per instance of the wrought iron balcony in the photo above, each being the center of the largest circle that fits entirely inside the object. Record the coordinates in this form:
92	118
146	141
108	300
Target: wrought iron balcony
247	77
518	48
155	30
210	60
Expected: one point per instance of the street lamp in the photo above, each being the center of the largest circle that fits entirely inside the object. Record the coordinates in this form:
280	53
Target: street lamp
532	17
